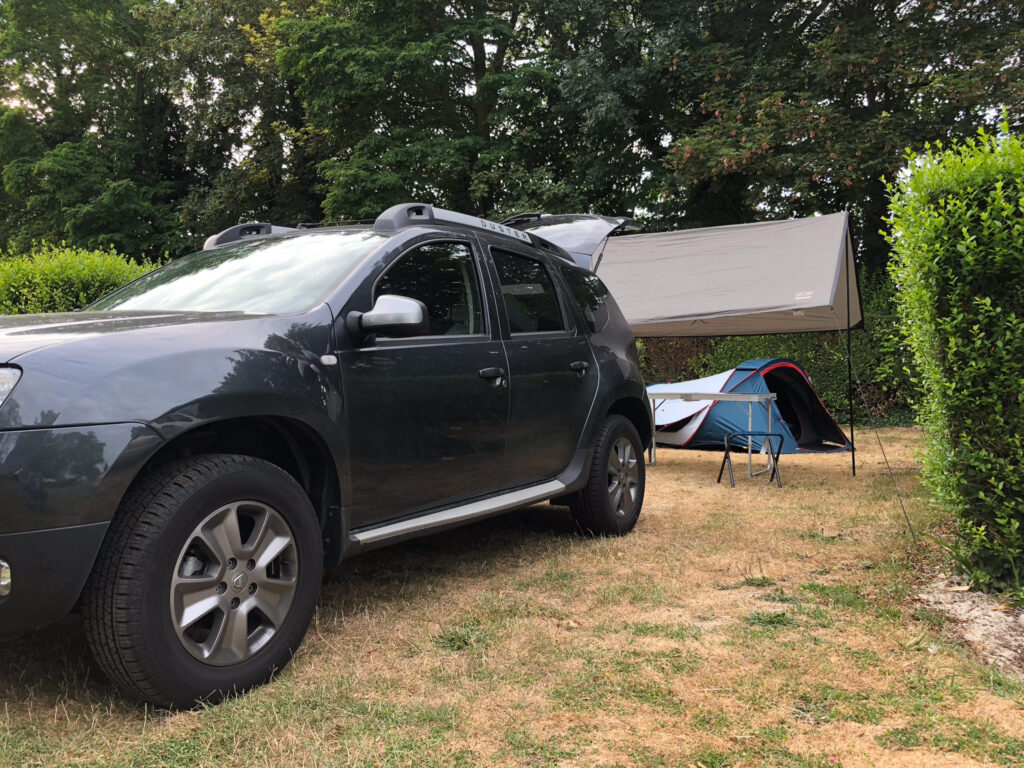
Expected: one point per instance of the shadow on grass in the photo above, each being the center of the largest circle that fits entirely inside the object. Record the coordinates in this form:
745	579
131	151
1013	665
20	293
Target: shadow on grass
53	668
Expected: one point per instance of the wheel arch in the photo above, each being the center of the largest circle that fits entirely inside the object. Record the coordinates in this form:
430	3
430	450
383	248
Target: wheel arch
638	412
287	443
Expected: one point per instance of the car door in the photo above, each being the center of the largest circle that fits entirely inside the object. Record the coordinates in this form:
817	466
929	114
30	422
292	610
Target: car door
552	373
428	415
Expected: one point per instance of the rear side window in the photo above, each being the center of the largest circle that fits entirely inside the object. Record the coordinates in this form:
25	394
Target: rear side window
591	297
530	299
443	277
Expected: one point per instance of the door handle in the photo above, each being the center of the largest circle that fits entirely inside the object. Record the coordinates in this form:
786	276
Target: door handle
492	373
580	366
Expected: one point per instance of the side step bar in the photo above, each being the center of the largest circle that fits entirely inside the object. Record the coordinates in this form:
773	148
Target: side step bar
464	513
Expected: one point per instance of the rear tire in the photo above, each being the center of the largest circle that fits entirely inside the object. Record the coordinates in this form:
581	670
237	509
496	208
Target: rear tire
610	504
206	581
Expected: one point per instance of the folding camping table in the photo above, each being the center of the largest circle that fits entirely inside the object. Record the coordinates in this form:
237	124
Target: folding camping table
764	398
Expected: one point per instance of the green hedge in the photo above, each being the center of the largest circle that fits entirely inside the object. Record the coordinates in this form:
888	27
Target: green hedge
61	279
958	245
877	357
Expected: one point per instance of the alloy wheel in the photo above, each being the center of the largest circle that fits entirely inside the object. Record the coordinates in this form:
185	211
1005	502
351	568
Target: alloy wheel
234	583
623	477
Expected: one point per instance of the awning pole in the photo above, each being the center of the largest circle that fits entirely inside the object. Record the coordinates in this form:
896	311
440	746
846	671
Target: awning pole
849	373
849	358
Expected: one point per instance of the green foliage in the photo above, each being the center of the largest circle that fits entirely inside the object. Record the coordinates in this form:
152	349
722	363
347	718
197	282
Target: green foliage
468	635
810	117
957	223
769	619
94	158
879	359
61	279
842	595
241	128
449	103
147	125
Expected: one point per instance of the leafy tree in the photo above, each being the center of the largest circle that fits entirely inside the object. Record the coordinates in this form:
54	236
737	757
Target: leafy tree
245	152
617	92
147	125
95	157
792	108
453	103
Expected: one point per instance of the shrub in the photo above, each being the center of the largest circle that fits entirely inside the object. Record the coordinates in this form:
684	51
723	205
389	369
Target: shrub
668	358
958	256
61	279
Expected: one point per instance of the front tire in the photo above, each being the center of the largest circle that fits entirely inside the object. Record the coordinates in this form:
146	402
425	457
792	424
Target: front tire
206	582
611	502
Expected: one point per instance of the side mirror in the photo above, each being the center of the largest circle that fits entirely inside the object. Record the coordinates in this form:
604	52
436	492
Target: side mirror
395	316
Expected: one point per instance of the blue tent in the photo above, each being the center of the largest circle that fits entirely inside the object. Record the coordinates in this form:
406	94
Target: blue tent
797	414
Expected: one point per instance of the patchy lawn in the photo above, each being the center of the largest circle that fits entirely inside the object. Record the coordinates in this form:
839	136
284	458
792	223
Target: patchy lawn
736	627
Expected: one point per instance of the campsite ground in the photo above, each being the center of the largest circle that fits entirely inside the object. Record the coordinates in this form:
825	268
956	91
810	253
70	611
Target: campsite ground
736	627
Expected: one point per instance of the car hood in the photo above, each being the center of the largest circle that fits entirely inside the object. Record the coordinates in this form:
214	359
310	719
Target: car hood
20	334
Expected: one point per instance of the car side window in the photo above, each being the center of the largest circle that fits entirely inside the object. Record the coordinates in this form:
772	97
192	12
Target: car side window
530	299
443	277
591	296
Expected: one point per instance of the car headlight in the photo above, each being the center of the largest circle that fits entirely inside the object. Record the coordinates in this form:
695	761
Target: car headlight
8	379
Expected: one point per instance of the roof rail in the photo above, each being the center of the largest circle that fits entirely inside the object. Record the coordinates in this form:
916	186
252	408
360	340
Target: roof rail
410	214
250	231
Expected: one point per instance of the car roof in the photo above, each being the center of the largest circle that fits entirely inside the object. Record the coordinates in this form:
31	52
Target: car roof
390	222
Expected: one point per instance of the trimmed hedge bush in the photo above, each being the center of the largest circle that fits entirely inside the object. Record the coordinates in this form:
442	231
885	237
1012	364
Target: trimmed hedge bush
958	261
61	279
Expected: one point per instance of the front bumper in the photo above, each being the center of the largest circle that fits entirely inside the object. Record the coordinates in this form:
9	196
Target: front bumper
48	571
59	489
51	478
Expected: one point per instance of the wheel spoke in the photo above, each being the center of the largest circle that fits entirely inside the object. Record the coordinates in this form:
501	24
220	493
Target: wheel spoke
617	500
614	459
195	598
221	534
273	600
267	551
628	501
262	524
231	643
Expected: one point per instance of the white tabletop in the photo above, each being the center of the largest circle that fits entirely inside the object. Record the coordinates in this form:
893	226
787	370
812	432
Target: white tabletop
735	397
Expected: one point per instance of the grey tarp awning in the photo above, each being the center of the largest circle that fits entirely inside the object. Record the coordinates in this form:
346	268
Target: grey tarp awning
766	277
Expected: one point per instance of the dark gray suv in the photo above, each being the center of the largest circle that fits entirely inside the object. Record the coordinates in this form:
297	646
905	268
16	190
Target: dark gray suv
183	458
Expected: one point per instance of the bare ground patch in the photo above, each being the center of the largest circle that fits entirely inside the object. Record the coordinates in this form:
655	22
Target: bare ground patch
993	630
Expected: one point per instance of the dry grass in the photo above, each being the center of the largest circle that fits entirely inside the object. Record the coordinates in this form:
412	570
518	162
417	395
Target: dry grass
735	627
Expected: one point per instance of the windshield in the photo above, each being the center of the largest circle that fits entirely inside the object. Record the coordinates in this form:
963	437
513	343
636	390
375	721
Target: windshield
265	277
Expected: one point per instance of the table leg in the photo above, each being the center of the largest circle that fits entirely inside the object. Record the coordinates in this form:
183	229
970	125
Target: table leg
652	451
750	440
